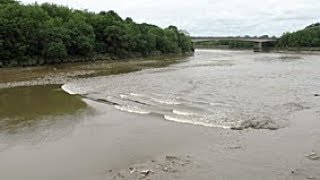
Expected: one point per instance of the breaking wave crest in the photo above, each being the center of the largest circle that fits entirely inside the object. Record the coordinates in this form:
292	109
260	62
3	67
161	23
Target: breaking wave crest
215	115
166	101
68	90
183	113
132	109
193	122
261	123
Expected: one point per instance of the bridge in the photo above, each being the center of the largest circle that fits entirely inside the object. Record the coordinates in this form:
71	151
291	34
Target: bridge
259	43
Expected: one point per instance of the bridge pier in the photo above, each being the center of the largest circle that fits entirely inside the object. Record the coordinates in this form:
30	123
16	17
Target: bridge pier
262	46
258	47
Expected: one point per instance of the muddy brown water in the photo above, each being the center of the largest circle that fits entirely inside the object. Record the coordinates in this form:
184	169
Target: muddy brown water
225	89
214	88
25	106
112	121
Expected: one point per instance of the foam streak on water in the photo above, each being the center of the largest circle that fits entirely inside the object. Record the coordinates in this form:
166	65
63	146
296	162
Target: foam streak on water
225	89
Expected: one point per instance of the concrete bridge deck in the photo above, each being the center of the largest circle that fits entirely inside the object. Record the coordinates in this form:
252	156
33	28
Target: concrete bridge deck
258	42
249	39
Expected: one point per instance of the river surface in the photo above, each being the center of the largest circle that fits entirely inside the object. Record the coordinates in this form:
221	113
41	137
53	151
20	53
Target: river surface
225	89
93	126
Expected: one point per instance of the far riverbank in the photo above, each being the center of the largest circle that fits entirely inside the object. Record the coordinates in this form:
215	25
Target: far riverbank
63	73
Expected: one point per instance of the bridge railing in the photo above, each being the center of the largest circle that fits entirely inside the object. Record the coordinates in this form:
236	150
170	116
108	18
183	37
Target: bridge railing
249	39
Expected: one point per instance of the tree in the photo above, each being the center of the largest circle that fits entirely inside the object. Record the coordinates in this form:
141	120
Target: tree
82	38
308	37
8	2
55	50
48	33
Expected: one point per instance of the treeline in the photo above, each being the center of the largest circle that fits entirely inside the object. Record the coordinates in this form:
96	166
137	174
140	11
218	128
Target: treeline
309	37
37	34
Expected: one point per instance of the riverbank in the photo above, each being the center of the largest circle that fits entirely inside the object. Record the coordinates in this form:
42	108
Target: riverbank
63	73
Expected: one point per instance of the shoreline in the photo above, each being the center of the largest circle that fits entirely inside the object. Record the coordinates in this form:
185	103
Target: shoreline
83	60
63	73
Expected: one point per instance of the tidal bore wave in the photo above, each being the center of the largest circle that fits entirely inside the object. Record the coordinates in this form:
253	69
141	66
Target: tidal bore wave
224	89
169	109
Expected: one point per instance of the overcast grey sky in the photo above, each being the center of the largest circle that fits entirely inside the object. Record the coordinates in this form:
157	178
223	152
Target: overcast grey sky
211	17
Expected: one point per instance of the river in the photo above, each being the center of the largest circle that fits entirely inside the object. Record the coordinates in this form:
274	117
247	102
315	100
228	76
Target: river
81	129
225	89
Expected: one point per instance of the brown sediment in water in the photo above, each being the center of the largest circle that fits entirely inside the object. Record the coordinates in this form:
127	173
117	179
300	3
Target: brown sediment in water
111	144
26	106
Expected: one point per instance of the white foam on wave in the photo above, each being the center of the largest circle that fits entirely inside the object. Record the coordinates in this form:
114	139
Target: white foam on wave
137	95
132	109
219	104
68	90
123	96
192	122
166	101
182	113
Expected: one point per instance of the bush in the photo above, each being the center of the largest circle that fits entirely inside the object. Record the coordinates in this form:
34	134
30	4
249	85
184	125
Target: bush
55	51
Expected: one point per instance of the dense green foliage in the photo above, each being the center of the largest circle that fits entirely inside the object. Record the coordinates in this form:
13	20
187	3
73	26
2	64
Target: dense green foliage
47	33
308	37
229	44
